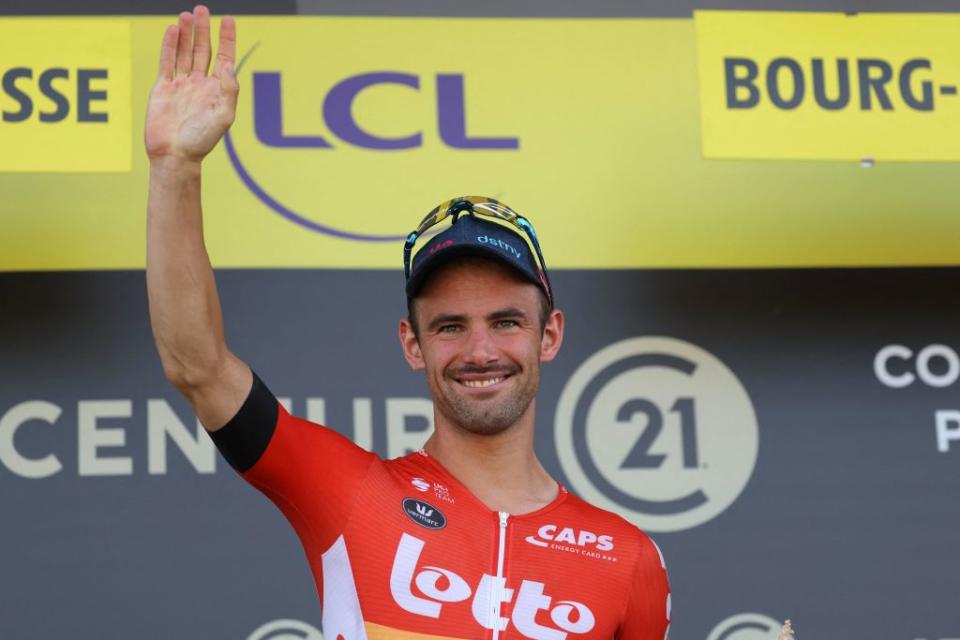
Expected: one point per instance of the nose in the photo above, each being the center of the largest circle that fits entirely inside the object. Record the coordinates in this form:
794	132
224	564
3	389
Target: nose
480	348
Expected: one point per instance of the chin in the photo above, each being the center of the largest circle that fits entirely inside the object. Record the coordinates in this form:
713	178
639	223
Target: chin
484	428
485	421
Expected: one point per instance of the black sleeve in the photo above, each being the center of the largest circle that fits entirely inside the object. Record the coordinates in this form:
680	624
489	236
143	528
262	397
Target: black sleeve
244	439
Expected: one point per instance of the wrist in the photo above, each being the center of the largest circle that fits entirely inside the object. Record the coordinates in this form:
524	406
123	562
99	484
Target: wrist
174	165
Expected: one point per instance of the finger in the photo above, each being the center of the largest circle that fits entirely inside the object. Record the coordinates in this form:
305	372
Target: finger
229	90
168	52
185	44
201	41
228	78
227	48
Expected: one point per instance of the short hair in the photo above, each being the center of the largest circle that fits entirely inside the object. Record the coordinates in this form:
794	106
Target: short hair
480	261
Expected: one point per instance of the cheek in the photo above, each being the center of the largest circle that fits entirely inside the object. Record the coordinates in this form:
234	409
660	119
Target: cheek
521	347
438	357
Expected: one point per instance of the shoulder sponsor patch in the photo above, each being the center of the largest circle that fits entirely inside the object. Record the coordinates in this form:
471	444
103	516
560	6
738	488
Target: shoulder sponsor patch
424	514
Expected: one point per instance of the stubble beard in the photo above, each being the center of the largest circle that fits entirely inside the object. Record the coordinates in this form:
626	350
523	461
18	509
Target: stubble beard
487	417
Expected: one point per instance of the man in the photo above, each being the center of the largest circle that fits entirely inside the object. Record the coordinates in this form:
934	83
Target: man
469	537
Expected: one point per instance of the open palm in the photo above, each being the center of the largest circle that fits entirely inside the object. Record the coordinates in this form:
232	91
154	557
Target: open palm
189	110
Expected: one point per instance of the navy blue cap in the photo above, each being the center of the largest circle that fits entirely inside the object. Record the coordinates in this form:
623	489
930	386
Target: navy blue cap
472	235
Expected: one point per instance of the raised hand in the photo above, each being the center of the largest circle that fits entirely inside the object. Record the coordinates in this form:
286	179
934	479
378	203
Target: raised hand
189	110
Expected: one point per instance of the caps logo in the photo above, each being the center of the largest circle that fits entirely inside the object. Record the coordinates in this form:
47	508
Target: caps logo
582	538
577	542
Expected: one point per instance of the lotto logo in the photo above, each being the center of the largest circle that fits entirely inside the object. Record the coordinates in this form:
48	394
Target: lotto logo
436	586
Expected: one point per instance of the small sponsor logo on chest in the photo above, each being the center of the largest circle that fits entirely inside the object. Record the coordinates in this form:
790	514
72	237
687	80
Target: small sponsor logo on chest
439	490
578	541
424	514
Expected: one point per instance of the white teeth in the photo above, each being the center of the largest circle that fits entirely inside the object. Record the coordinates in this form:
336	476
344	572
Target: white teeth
481	383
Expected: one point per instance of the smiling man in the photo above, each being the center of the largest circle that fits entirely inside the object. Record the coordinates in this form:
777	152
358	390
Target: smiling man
469	537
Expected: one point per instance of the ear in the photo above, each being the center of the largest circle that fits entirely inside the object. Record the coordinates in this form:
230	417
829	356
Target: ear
410	345
552	336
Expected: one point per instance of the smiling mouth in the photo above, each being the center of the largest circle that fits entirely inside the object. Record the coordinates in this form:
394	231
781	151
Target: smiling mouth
480	384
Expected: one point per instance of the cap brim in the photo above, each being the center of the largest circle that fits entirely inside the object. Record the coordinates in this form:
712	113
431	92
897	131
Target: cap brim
429	266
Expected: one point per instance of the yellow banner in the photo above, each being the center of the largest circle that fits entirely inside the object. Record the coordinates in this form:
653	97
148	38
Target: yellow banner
869	87
65	95
350	129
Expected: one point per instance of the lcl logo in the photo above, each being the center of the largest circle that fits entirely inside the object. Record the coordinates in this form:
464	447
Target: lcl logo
338	114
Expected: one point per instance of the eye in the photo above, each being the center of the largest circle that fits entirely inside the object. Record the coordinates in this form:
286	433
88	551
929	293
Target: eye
506	324
448	328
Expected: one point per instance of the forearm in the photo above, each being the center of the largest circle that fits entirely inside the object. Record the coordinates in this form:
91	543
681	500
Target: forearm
184	306
187	115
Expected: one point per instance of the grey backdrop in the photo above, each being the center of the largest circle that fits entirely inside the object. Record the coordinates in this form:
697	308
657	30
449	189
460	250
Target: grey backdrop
848	524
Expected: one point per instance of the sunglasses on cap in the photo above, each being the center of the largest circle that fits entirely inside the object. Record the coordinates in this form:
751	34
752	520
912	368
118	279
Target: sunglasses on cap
485	208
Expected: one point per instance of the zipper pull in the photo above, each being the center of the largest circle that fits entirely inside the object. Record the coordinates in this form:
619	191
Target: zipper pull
503	519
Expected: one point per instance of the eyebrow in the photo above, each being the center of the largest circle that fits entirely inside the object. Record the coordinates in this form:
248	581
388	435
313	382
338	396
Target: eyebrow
445	318
499	314
508	312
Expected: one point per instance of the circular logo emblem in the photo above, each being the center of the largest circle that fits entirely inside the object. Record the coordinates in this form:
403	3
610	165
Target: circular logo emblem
659	430
286	630
424	514
746	626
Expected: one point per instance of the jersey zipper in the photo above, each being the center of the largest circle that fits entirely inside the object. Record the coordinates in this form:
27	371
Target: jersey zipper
498	584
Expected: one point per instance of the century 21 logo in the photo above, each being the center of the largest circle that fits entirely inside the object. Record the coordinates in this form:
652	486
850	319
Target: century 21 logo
866	83
658	430
60	88
338	114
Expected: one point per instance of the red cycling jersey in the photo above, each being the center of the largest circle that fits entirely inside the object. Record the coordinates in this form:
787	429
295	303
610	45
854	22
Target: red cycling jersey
400	549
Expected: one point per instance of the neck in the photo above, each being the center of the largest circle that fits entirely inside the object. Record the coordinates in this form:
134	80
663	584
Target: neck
501	470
